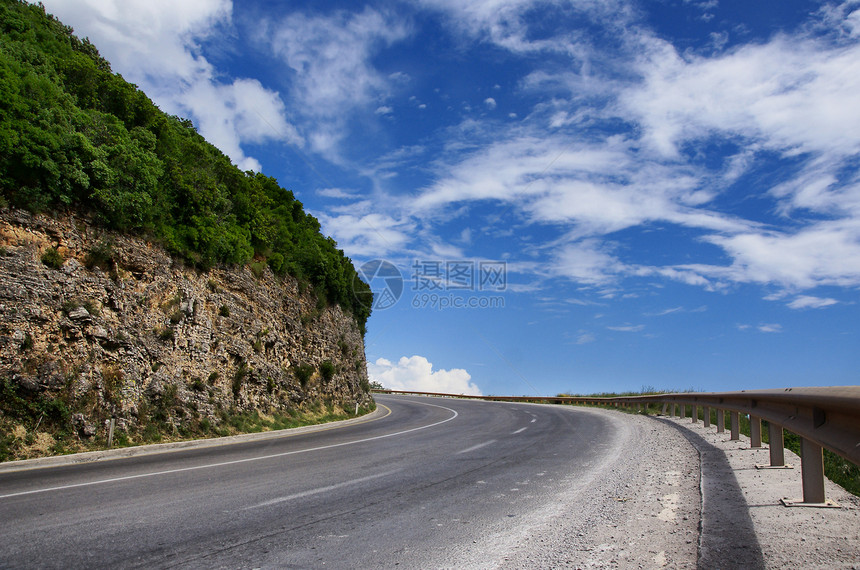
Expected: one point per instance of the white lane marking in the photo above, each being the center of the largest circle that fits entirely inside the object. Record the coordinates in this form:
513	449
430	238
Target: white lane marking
474	447
237	461
521	430
321	490
534	420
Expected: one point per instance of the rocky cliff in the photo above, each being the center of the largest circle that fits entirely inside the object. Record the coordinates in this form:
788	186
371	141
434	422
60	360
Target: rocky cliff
96	324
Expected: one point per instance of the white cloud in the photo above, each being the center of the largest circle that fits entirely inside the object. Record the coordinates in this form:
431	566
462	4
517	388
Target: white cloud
585	338
155	44
416	373
627	328
330	60
490	103
586	262
367	235
808	302
770	328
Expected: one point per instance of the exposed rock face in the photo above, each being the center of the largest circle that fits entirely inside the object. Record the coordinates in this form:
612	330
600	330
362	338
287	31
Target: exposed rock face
123	329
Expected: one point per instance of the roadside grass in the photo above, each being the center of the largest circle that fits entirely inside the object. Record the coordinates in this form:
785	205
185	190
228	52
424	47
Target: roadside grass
841	471
46	431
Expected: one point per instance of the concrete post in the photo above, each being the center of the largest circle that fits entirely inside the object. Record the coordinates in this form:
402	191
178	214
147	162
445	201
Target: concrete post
695	414
721	421
682	411
777	445
111	427
736	426
665	406
674	410
812	464
755	431
707	416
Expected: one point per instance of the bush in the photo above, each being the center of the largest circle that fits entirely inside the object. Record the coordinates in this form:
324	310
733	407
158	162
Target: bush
327	370
52	258
303	373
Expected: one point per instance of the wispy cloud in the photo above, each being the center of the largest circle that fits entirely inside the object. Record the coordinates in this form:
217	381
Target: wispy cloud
329	58
627	328
808	302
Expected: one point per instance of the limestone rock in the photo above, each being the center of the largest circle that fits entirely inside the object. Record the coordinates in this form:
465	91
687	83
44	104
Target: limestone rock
159	333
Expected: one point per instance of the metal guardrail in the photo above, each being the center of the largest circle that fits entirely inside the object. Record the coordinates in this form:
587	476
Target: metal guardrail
823	417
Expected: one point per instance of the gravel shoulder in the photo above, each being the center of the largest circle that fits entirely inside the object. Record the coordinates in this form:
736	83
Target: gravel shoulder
678	495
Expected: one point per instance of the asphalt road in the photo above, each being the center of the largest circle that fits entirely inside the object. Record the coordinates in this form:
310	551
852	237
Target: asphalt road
434	482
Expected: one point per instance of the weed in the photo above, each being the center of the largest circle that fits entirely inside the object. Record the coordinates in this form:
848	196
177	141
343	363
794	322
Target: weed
224	311
166	334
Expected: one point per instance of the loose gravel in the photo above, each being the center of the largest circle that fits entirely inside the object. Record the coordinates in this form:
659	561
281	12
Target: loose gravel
674	494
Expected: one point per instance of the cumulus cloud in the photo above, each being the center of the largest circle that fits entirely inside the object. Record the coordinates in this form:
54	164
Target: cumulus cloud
490	103
156	44
416	373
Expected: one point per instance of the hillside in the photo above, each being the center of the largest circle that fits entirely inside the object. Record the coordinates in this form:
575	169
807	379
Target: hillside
145	278
74	135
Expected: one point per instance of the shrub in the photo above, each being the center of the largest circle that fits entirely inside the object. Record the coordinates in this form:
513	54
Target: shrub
224	311
327	370
303	372
52	258
238	378
100	255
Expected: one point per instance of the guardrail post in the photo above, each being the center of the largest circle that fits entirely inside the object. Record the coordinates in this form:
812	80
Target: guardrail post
721	421
695	414
682	410
812	467
707	416
755	431
665	406
776	441
736	426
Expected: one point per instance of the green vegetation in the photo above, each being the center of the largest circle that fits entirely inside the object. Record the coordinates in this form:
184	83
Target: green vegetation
303	373
327	370
37	426
75	135
52	258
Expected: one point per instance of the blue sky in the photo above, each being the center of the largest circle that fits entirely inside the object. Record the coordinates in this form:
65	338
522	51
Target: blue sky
600	195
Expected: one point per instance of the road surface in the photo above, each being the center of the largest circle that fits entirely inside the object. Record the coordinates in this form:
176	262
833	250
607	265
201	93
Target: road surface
433	483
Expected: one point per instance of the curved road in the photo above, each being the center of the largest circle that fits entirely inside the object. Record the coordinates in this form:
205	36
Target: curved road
435	482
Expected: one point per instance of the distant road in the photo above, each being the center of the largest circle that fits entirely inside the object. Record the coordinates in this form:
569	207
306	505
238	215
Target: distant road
434	483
